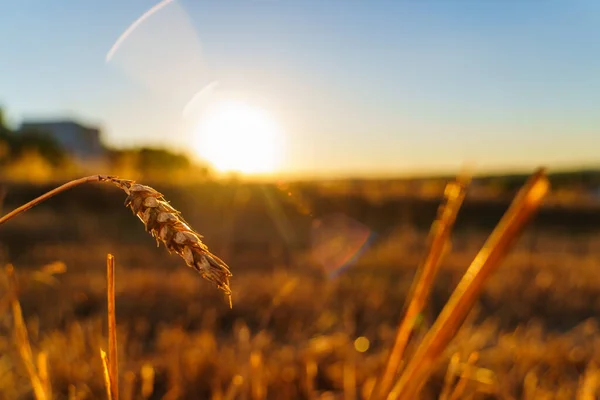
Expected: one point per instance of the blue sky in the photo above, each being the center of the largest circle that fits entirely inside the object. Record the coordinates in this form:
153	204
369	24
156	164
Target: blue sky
359	87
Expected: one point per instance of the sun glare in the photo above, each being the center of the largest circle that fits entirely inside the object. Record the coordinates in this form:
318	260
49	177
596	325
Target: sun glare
236	137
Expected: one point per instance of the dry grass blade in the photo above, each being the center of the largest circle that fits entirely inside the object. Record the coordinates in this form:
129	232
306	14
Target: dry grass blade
234	387
530	386
465	375
424	279
42	367
349	380
589	383
257	386
47	273
464	296
106	369
112	327
451	374
22	338
5	303
312	369
147	375
128	387
162	221
72	392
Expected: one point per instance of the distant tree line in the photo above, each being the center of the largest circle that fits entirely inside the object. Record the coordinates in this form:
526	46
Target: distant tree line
154	163
583	179
14	145
18	149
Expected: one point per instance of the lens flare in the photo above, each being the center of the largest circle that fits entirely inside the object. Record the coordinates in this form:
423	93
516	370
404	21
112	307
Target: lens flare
133	27
193	106
161	50
338	241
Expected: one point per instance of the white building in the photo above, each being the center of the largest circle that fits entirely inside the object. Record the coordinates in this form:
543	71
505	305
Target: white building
83	143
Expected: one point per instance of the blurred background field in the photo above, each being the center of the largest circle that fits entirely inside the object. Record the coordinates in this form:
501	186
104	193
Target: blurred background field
321	272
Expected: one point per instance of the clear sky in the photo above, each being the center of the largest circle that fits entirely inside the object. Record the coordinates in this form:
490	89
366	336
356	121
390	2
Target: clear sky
356	86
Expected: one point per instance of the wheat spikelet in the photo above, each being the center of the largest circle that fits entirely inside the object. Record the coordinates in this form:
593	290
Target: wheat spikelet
167	225
162	221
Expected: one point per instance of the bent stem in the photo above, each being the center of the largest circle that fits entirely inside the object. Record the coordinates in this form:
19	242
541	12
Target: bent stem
52	193
162	222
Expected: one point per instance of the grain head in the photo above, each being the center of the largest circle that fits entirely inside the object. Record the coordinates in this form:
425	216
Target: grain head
167	225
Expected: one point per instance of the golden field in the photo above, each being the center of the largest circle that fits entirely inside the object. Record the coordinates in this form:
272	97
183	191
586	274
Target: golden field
321	272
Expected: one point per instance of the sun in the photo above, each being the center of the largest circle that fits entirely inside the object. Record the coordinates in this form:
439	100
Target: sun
236	137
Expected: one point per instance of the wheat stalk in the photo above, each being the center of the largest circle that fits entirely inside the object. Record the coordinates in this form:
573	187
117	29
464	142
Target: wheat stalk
162	221
454	193
113	364
420	366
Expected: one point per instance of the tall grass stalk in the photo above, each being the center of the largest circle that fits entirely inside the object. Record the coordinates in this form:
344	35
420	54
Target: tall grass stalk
422	364
112	327
424	280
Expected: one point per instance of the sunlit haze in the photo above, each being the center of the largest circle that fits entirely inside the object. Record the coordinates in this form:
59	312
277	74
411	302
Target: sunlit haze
236	137
344	88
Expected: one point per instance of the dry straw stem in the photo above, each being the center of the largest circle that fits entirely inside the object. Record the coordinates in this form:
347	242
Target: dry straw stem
72	392
465	375
22	339
349	379
589	384
128	386
424	279
147	374
234	387
162	221
106	369
451	373
113	365
312	369
42	367
530	385
257	385
466	293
